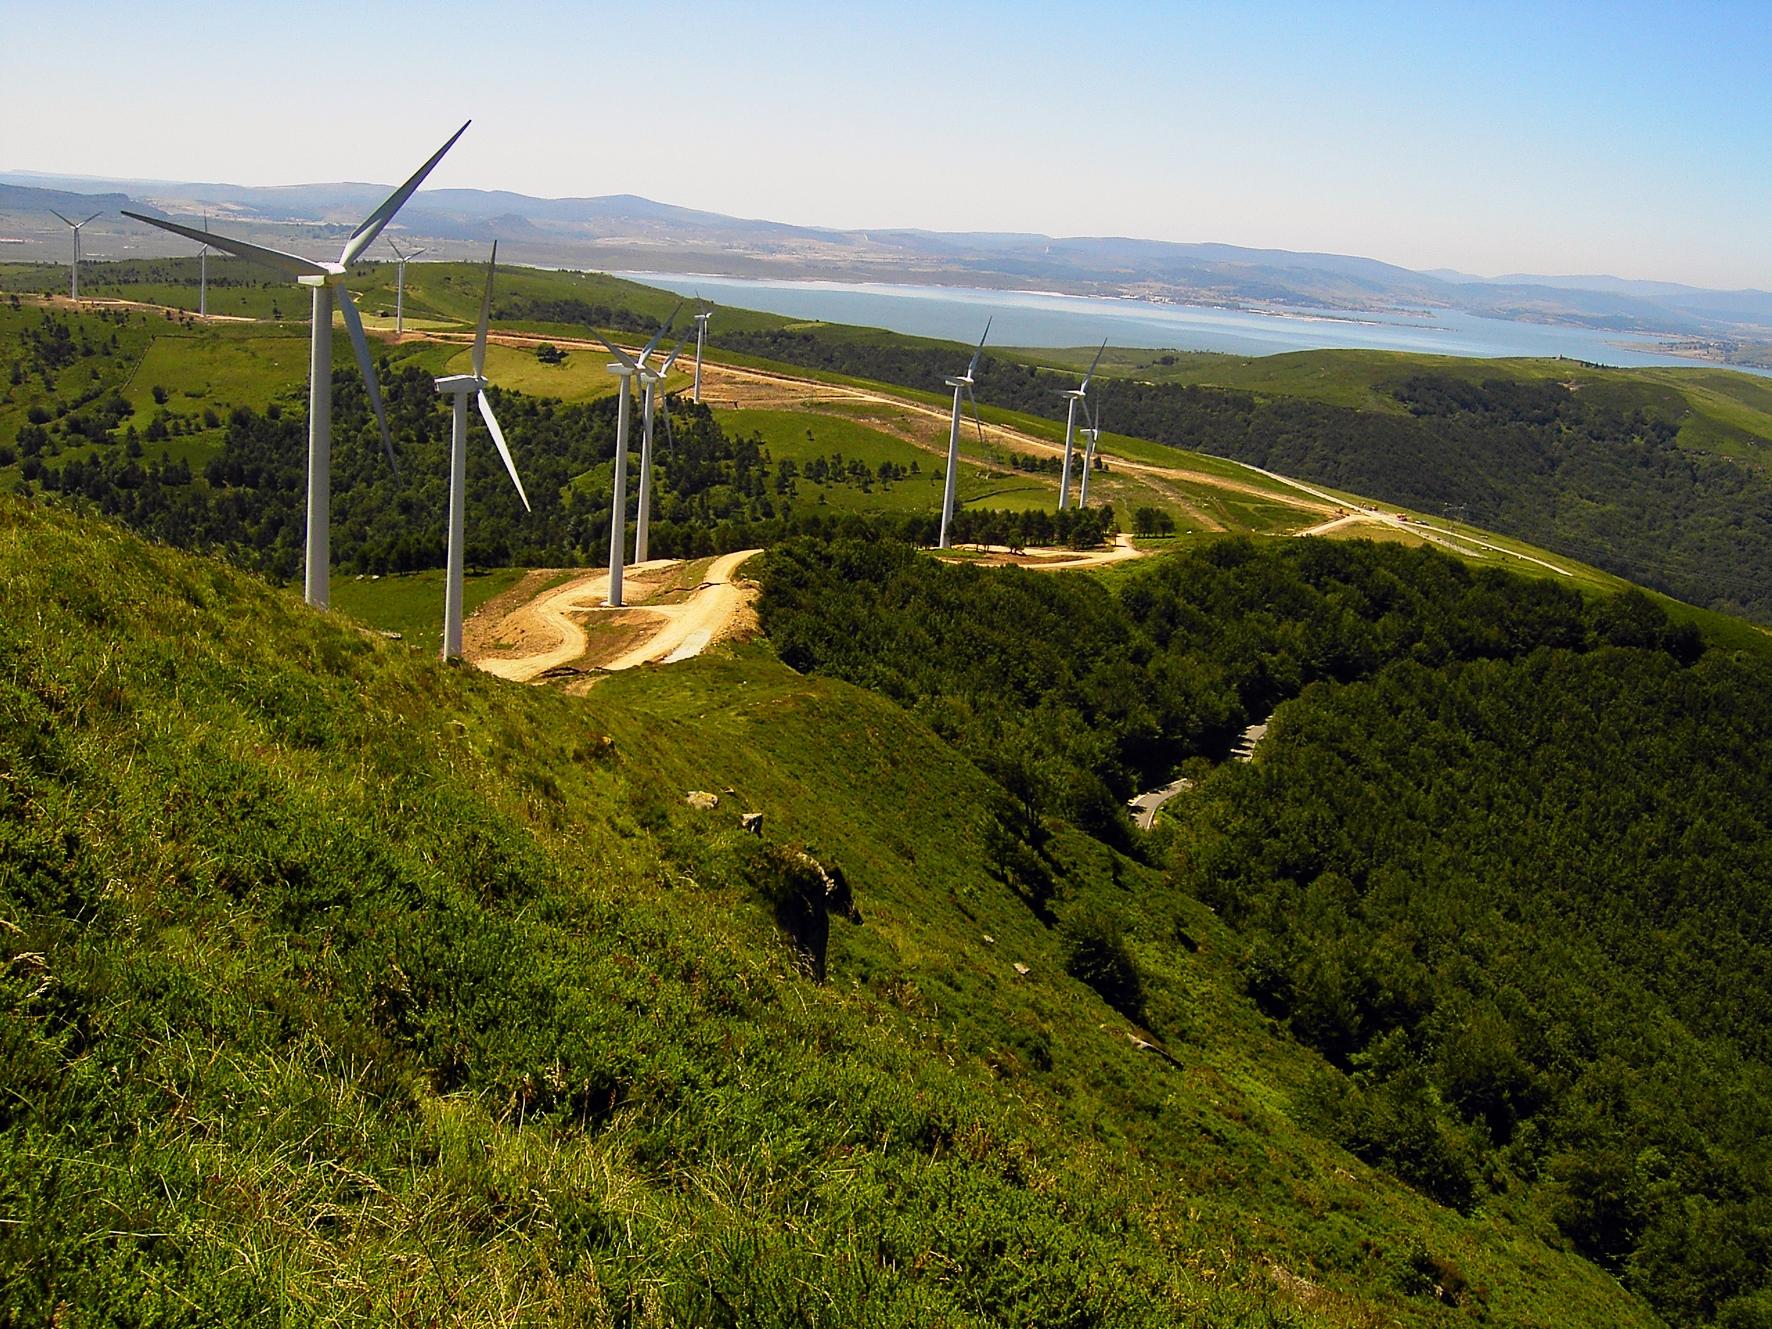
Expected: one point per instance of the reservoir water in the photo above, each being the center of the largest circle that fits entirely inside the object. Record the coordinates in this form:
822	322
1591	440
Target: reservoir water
1042	319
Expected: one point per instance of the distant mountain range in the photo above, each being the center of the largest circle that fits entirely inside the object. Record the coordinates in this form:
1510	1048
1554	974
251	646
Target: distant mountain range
623	232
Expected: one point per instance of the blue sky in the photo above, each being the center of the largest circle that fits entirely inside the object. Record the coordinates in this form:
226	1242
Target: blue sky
1631	139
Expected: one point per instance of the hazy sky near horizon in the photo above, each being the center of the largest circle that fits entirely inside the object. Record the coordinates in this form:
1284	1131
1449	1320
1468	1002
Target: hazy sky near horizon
1492	138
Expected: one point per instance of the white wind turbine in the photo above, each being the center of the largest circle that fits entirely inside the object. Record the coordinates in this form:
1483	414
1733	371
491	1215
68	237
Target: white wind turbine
74	272
626	369
959	385
326	280
1076	395
701	336
643	517
1093	434
460	387
203	274
400	262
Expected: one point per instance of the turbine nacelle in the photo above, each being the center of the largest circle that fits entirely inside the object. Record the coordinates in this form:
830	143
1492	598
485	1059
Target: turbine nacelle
333	276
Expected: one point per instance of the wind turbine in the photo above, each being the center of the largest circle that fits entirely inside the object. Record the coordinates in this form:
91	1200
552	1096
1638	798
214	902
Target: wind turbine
643	518
74	272
461	387
203	274
400	262
1076	395
1093	434
701	335
325	280
959	385
625	368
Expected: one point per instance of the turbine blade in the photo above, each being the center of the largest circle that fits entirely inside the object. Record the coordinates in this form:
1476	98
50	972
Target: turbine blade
360	344
416	252
364	236
665	368
972	368
659	336
94	216
498	441
670	439
617	352
1094	362
64	220
292	265
396	248
485	316
975	420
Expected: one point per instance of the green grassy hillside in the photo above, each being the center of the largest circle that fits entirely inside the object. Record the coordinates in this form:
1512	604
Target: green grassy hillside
340	985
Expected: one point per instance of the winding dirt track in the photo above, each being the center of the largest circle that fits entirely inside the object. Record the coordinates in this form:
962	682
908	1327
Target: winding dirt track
1059	560
554	623
1450	540
764	388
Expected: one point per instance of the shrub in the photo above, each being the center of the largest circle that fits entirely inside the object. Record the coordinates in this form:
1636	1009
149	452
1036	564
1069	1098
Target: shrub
1097	956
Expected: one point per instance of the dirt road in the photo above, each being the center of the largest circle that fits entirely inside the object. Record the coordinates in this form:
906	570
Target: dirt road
549	631
1450	540
731	385
1057	560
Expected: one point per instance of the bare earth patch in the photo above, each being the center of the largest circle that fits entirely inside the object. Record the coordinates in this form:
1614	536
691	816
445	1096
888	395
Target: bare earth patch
673	610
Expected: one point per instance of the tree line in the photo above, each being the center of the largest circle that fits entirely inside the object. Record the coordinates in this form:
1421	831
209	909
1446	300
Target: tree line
715	491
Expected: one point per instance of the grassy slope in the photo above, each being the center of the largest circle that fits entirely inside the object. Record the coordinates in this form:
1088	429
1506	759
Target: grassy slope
1719	410
340	983
411	603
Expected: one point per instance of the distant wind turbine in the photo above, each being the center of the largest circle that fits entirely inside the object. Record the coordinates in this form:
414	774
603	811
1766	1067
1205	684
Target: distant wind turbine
1093	434
1076	395
400	262
74	272
959	385
701	335
626	369
652	378
324	279
203	274
461	387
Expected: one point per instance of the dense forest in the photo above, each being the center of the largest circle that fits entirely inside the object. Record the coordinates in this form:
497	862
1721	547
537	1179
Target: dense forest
1591	479
1502	860
715	491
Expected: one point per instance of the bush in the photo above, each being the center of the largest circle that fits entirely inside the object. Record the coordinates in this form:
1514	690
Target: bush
1097	956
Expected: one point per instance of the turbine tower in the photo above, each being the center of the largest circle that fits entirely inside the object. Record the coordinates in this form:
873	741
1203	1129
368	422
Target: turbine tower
643	517
959	385
1076	395
203	275
460	387
1093	434
626	369
74	272
326	281
400	262
701	336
